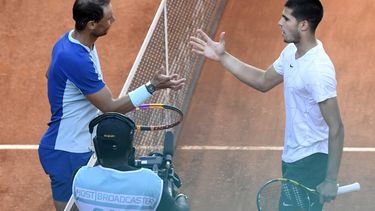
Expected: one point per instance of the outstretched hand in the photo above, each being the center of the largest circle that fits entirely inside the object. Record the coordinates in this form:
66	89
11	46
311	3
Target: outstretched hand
162	81
207	47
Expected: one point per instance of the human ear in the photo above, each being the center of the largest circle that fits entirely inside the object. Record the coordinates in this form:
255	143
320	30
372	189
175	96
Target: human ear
91	25
304	25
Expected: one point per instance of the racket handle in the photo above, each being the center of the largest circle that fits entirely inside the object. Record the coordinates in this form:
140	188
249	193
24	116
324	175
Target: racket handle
349	188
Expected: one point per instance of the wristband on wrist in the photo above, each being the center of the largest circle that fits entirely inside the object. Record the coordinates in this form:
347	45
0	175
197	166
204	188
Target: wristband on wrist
139	95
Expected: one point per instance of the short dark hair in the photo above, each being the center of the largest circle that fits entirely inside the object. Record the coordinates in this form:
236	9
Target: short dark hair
88	10
310	10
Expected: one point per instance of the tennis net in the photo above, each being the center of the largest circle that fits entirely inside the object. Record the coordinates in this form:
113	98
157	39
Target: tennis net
167	45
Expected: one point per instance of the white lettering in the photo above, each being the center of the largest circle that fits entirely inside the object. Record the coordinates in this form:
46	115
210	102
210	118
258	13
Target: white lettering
120	199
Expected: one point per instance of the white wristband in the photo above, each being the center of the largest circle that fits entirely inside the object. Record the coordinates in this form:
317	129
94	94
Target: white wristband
139	95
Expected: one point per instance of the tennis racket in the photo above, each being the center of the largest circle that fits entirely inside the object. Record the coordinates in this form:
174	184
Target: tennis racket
284	194
155	116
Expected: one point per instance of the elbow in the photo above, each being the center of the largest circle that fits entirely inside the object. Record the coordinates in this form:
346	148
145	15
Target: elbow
107	106
117	108
106	109
338	133
263	85
263	88
340	129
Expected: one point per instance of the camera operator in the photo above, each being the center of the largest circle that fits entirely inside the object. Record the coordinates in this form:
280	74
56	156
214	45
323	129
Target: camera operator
115	184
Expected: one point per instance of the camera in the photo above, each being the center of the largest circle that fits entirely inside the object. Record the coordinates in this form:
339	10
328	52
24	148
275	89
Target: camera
162	165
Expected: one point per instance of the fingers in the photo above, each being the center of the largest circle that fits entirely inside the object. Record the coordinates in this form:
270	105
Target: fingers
179	81
222	41
324	199
165	78
169	81
177	87
197	42
198	45
174	84
205	37
198	51
325	195
173	76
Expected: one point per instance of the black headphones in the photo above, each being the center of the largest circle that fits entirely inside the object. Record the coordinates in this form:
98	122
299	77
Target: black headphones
104	152
111	115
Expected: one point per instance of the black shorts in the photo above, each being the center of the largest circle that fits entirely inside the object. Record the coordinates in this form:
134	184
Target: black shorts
309	171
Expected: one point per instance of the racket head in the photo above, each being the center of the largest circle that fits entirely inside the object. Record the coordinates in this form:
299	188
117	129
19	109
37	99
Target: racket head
283	194
155	116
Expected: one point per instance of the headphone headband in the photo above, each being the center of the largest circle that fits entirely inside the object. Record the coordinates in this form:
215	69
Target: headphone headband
110	115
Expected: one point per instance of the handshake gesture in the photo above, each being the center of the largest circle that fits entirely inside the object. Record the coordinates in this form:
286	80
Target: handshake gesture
207	47
163	81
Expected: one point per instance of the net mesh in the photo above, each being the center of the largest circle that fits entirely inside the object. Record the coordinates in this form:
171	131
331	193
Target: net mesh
183	19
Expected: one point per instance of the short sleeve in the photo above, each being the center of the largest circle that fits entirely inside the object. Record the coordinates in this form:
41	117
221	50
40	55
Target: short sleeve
278	65
321	82
84	76
285	56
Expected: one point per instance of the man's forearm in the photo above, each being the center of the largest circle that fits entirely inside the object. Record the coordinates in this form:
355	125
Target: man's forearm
248	74
335	149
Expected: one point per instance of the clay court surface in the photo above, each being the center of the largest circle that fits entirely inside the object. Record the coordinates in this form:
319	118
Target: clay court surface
223	112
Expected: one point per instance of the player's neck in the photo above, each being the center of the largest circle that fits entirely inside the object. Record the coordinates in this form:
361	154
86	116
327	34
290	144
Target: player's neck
84	38
305	44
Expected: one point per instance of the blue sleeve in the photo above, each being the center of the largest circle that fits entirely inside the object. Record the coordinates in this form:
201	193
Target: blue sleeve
82	73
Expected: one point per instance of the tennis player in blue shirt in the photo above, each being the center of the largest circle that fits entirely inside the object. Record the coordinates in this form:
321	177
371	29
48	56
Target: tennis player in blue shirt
76	92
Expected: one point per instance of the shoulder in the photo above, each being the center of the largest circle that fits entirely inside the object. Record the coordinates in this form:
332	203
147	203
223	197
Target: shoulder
289	49
318	62
320	55
149	176
68	53
148	172
84	170
288	53
285	58
321	64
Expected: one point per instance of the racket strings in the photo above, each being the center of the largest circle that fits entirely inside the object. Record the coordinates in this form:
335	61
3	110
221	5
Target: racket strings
295	195
282	196
268	197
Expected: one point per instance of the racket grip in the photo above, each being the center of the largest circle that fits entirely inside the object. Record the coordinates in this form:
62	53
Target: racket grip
349	188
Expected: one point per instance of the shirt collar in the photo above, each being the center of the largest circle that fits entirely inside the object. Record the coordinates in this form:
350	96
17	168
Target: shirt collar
71	39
